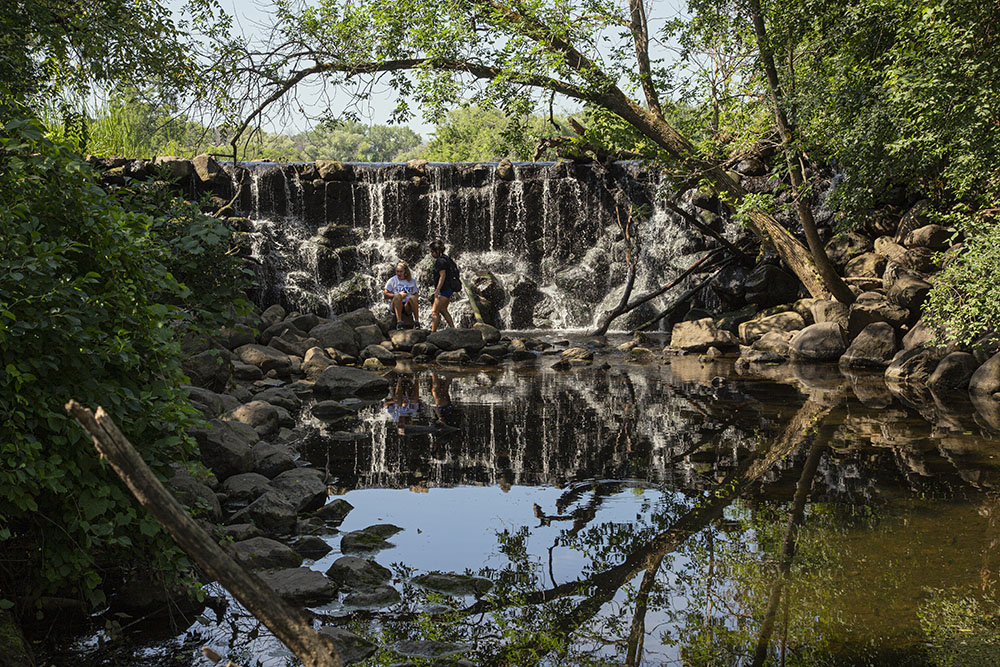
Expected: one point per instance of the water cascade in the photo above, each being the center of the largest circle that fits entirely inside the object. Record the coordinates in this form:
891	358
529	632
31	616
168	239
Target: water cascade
541	242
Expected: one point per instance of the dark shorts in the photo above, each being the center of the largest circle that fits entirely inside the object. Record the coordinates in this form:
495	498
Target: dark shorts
446	292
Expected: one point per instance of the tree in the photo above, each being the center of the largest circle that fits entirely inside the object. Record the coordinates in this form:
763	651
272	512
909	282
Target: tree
499	54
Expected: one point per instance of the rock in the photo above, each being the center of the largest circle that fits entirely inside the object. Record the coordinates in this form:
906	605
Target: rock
246	487
315	362
246	372
470	340
337	334
985	347
177	168
874	307
208	402
262	553
279	329
405	339
867	265
238	532
265	358
222	449
909	291
576	355
417	166
312	547
293	344
450	583
491	336
341	381
210	369
986	380
304	488
303	322
425	350
271	513
785	321
332	170
372	538
872	348
934	237
775	342
206	168
769	285
374	365
329	411
818	342
844	247
270	460
300	585
889	249
354	573
751	166
699	335
334	511
359	317
456	357
376	597
914	218
196	496
260	415
369	334
282	397
378	352
487	360
522	355
428	648
351	647
912	366
273	315
828	310
920	335
238	335
505	170
953	373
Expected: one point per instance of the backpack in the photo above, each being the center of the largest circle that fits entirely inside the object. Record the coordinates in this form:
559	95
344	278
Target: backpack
455	281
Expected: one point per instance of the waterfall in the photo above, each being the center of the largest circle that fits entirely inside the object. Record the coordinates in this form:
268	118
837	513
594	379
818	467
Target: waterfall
548	235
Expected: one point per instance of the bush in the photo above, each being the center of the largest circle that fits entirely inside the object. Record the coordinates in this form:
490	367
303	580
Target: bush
90	304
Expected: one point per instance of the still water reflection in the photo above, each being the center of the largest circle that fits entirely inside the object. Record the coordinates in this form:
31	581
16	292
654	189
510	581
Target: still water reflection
672	513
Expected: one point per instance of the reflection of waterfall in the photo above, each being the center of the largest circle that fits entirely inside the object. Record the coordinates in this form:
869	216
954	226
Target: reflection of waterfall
548	232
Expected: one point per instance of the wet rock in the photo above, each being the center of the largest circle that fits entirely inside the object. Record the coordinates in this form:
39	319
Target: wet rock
304	488
355	573
872	348
315	362
370	539
780	322
376	597
210	369
300	585
259	415
487	360
222	449
986	380
266	358
874	307
469	340
245	488
428	648
329	411
374	365
335	511
818	342
272	513
425	350
868	265
641	355
912	366
699	335
953	373
450	583
341	381
351	647
270	459
338	335
457	357
262	553
312	547
490	334
378	352
577	355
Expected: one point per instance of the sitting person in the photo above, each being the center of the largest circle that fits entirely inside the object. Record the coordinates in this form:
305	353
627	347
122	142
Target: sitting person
402	291
403	403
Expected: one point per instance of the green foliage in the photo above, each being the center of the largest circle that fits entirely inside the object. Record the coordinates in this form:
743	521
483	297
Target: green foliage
90	301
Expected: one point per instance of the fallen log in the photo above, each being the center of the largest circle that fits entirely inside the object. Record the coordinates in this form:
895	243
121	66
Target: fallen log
290	625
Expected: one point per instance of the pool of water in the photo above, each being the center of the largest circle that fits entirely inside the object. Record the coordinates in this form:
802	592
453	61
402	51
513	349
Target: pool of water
675	512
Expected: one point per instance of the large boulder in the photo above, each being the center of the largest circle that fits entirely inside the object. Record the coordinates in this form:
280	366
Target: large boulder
333	170
282	397
359	317
788	320
210	403
223	449
889	249
293	344
315	362
261	416
265	358
337	334
304	488
491	335
341	381
272	459
262	553
199	499
300	585
986	380
770	285
818	342
828	310
912	366
909	291
844	247
913	219
206	168
245	488
404	339
369	334
177	168
867	265
352	572
953	373
872	348
272	513
934	237
210	369
470	340
378	352
699	335
872	307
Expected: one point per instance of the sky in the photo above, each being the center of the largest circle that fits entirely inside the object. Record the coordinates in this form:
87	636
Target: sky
252	17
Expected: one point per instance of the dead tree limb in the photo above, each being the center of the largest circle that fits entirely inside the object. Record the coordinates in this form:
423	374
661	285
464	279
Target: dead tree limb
288	624
705	229
629	282
649	296
681	300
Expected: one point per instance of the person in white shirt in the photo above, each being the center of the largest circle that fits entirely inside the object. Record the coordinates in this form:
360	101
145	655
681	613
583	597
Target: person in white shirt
401	291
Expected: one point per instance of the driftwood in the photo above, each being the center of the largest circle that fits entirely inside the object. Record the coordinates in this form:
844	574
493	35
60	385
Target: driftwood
471	293
681	300
649	296
290	625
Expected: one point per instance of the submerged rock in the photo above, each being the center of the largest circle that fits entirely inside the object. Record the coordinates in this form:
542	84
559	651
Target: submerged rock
372	598
352	648
335	511
428	648
453	584
369	539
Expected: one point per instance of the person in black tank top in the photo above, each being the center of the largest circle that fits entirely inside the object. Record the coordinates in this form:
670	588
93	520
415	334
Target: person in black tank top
445	279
